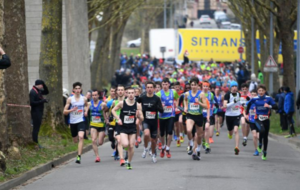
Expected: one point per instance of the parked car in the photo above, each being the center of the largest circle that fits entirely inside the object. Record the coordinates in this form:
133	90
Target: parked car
134	43
225	25
235	26
204	19
218	14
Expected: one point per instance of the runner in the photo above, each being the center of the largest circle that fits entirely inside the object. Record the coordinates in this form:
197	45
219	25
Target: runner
121	97
151	105
112	122
251	119
177	126
97	118
245	96
233	113
130	111
263	105
182	117
76	106
208	118
220	113
158	88
137	93
194	102
166	120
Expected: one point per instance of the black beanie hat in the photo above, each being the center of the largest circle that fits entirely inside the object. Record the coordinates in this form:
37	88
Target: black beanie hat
38	82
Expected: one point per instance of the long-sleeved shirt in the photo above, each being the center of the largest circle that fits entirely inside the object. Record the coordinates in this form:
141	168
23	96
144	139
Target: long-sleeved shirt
36	98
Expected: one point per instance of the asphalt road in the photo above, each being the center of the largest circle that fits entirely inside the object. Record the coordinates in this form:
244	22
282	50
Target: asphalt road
219	170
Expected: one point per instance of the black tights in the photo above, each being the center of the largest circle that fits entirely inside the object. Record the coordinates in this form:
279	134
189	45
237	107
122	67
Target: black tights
36	121
264	127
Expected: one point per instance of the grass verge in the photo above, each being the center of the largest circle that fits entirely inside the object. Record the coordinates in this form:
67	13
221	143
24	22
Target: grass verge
128	51
275	127
55	146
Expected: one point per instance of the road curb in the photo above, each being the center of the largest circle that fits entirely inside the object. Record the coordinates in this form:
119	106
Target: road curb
279	138
42	169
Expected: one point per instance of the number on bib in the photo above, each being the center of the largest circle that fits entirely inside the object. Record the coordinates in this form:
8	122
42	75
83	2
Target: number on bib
194	106
168	109
96	119
129	119
150	115
263	117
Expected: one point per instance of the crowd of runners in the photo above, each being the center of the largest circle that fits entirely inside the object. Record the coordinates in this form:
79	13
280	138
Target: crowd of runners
184	104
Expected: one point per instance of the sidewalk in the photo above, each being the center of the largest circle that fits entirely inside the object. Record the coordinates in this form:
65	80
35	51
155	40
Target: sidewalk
293	141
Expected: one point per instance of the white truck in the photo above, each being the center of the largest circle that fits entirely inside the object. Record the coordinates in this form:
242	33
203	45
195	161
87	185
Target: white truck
163	43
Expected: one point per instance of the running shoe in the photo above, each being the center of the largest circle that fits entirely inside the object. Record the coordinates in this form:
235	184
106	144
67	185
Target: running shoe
154	160
289	136
113	154
159	146
256	153
150	153
136	144
181	139
190	150
129	167
122	162
211	140
162	153
264	156
78	160
236	151
168	154
259	148
229	136
198	155
207	150
217	133
178	143
97	159
244	142
144	154
117	157
175	138
139	140
113	145
195	157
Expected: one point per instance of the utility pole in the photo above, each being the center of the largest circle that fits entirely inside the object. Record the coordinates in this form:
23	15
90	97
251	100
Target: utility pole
252	42
298	61
271	48
165	14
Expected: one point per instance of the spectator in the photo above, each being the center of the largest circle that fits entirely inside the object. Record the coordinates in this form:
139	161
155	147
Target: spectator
289	110
253	84
37	107
280	99
260	76
5	61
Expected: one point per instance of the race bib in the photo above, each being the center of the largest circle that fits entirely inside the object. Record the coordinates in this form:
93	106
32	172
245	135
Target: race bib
243	101
263	117
96	119
77	112
204	111
252	112
168	109
194	106
128	119
150	115
235	108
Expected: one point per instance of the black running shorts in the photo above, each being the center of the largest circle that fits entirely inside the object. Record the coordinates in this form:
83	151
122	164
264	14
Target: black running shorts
127	130
75	128
166	126
99	129
232	121
152	128
198	119
253	127
211	120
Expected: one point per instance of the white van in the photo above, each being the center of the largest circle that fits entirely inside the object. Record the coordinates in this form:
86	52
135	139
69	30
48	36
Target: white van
218	14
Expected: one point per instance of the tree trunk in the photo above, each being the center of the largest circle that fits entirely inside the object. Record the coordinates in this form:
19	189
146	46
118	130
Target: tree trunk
50	67
16	47
4	143
287	38
78	43
276	78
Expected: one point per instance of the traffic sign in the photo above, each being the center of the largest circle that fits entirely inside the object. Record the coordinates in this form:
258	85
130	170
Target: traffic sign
270	65
241	50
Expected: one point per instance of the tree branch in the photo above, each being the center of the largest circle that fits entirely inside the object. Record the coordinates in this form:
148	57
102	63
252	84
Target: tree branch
267	7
